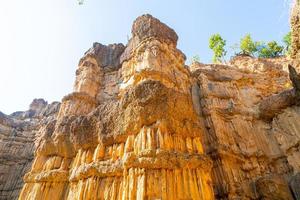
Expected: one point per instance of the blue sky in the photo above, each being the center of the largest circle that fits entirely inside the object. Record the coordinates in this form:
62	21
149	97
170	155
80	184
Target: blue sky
41	42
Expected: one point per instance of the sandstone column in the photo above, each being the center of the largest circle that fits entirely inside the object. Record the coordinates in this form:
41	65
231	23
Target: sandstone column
129	130
48	178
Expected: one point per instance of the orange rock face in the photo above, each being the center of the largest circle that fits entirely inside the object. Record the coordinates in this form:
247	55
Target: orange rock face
129	130
18	133
142	125
295	26
243	143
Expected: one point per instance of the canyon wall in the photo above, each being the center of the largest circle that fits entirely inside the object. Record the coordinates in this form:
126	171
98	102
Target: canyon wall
129	130
253	149
295	30
18	133
140	124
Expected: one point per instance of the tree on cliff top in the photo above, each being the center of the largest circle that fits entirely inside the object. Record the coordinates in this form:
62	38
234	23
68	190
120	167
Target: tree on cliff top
217	44
248	46
270	50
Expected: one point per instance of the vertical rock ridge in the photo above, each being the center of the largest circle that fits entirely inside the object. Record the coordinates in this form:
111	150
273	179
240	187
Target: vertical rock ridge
129	132
295	30
140	124
18	133
249	154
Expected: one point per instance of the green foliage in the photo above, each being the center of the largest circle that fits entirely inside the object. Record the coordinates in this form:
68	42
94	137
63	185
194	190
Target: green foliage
270	50
248	46
287	39
217	44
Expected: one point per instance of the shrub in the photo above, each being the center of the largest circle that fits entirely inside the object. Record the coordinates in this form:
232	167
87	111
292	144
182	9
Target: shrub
270	50
248	46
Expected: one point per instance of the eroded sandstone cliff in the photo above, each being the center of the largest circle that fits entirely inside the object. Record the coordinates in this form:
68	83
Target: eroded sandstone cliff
18	133
295	30
129	130
140	124
251	146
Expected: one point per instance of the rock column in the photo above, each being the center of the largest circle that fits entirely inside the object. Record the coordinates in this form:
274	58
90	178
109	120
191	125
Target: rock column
141	139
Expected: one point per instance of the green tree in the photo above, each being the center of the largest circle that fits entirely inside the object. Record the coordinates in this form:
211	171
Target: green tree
287	41
270	50
248	46
217	44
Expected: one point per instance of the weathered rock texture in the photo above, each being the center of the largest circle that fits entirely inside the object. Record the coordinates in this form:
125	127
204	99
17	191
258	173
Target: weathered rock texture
295	27
142	125
129	130
17	135
253	148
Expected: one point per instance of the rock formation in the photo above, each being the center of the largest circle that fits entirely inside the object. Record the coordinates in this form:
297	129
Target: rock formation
129	130
250	145
18	132
295	27
140	124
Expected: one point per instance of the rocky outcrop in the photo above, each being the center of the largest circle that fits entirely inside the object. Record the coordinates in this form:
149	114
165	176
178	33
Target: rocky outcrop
129	129
106	56
147	27
17	136
276	103
295	30
273	187
241	144
140	124
294	184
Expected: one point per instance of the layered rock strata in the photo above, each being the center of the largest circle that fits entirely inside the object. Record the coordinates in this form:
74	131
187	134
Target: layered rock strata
251	147
295	30
18	132
142	125
129	130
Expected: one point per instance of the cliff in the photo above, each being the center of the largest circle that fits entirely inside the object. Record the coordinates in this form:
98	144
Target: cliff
254	147
129	129
140	124
18	133
295	30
